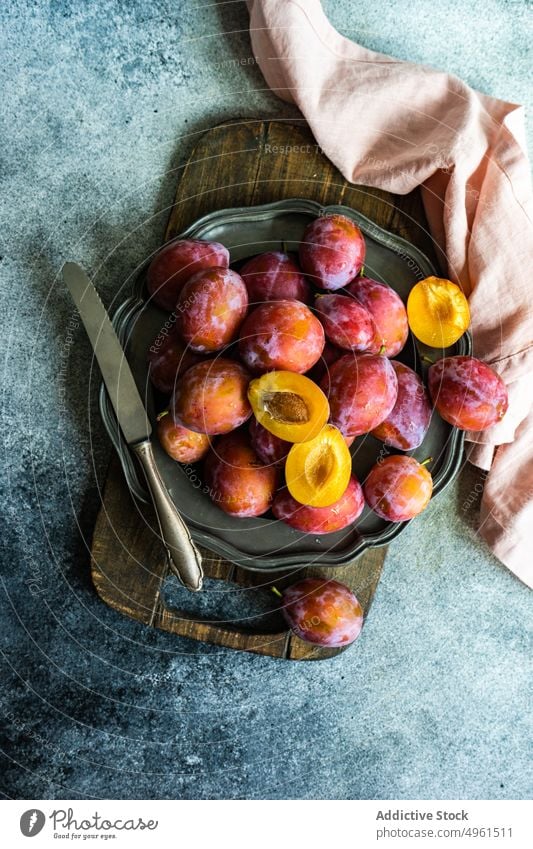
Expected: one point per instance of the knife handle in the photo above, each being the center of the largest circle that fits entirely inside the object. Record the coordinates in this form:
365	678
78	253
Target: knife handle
184	558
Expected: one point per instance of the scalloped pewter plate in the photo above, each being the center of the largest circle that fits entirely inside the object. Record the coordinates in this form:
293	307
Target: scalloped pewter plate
266	544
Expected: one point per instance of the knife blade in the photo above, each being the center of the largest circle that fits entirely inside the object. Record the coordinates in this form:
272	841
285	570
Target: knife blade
184	558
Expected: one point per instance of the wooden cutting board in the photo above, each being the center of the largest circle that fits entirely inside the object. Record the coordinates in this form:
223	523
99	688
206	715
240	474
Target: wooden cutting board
238	163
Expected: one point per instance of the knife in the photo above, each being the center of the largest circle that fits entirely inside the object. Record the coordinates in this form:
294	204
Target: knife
184	558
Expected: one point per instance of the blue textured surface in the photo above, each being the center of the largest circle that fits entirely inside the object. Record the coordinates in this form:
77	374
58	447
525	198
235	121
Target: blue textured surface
101	105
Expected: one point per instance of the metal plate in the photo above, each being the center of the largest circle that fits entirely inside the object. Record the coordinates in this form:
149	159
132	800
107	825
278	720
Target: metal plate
264	543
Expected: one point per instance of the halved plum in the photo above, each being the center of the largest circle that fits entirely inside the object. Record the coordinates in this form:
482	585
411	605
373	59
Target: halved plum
289	405
319	470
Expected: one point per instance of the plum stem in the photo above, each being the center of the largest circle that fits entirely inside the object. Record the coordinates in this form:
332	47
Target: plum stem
426	359
160	415
362	272
276	592
426	461
382	349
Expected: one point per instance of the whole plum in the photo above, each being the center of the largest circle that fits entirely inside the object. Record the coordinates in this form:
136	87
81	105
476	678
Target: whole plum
320	520
389	314
329	355
274	276
237	480
362	391
323	612
332	251
271	449
168	359
281	335
398	488
211	397
347	324
406	425
180	443
176	262
467	393
210	309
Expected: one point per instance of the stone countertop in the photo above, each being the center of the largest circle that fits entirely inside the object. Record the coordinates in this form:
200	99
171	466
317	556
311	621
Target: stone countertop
102	102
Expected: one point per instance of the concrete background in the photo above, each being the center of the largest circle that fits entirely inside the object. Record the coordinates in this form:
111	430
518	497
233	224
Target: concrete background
101	104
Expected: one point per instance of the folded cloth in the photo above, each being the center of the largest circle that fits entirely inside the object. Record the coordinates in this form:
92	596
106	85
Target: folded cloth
396	125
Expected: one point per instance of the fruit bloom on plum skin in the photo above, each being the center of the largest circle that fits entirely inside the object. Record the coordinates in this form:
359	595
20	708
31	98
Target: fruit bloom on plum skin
180	443
329	355
323	612
389	314
176	262
168	359
270	449
274	276
281	336
347	324
332	251
467	393
238	482
398	488
362	390
210	309
406	425
211	397
320	520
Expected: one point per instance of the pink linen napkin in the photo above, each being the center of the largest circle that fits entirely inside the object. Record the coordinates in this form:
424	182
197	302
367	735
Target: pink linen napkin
396	125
